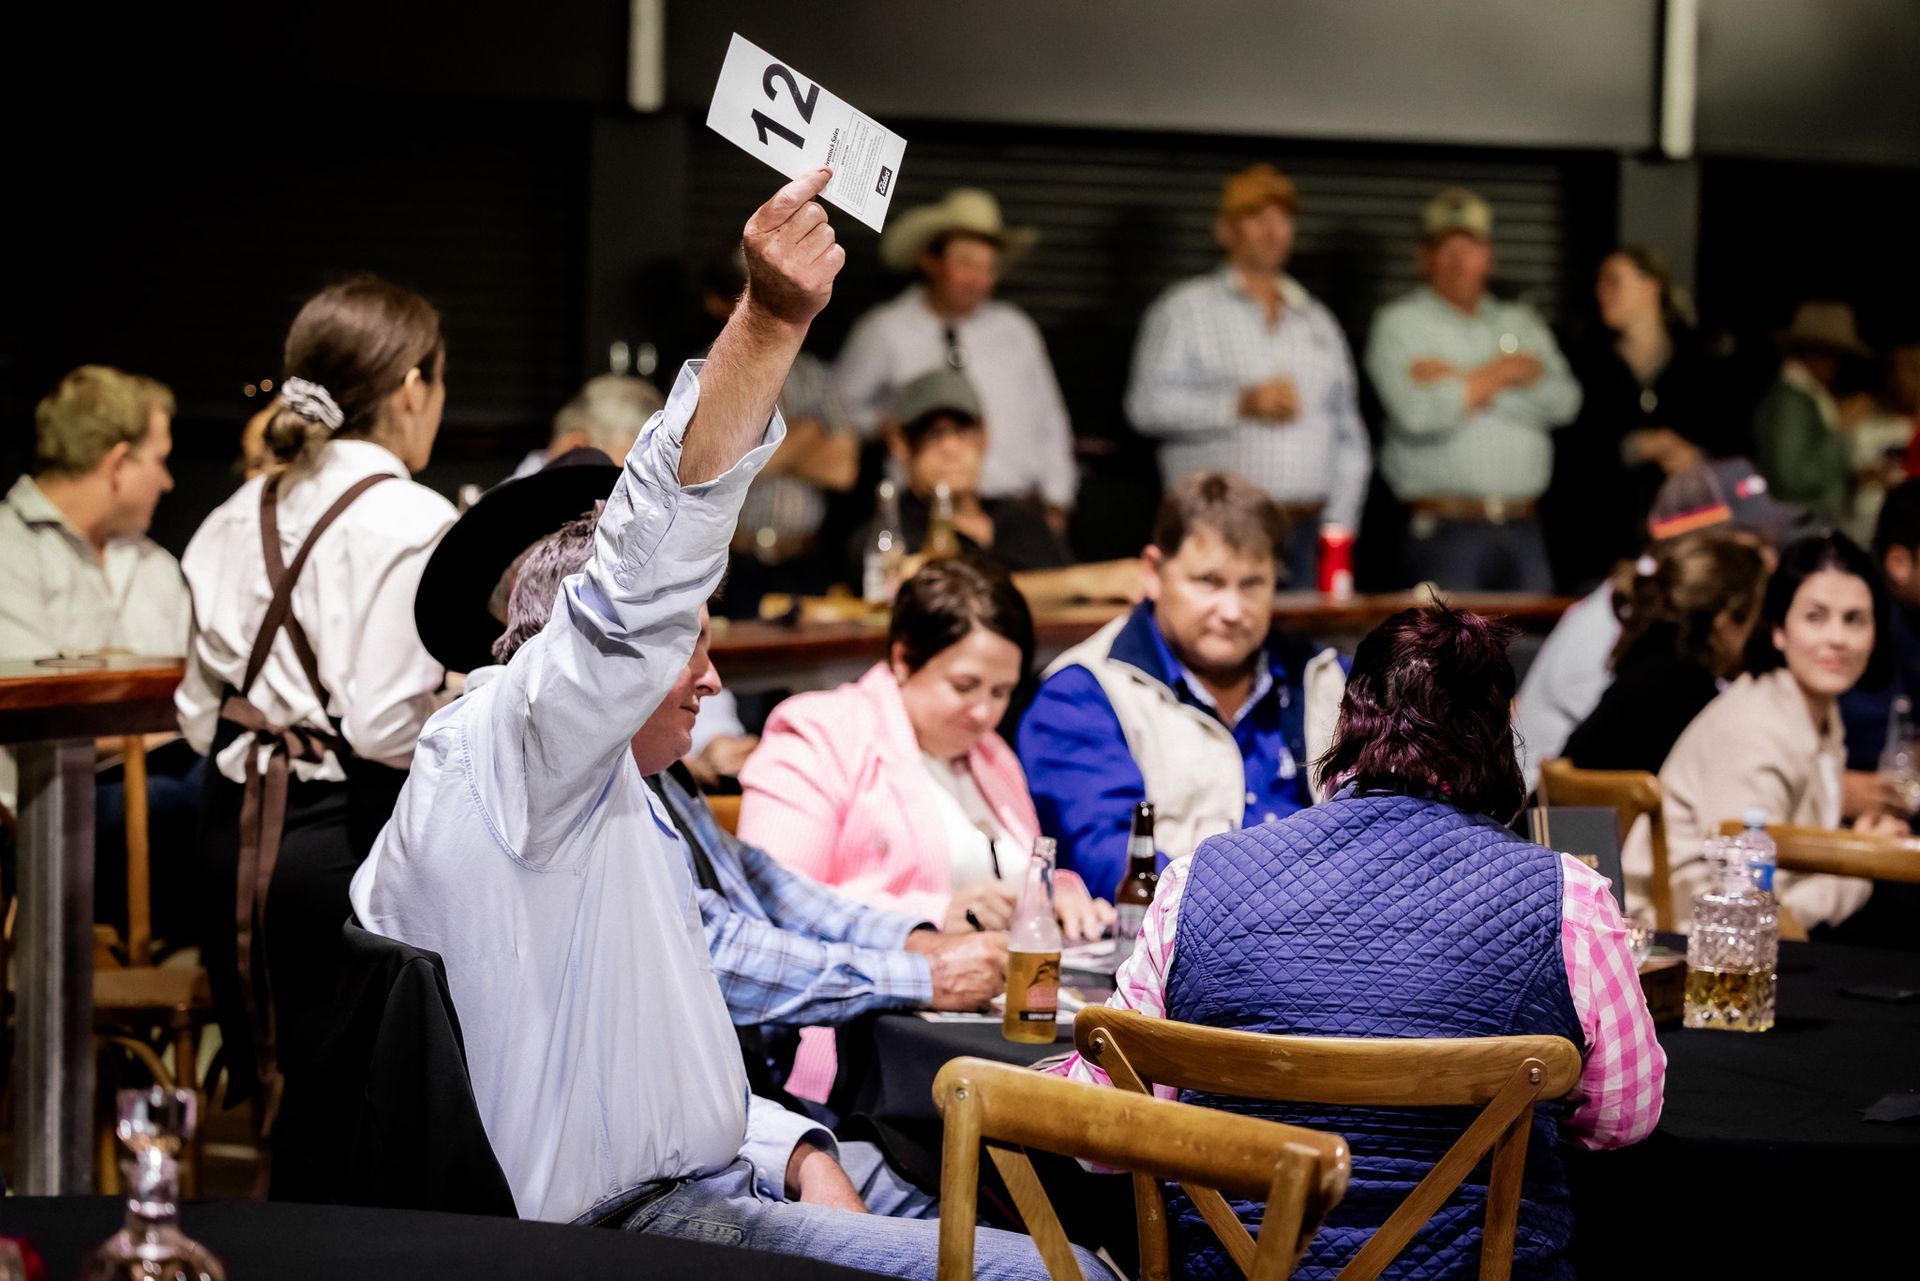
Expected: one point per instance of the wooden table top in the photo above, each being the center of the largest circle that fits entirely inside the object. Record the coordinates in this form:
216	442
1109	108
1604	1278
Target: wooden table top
740	646
87	698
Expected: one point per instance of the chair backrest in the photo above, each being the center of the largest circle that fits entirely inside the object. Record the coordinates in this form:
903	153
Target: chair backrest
1837	852
1504	1076
388	1117
1631	794
1301	1174
726	812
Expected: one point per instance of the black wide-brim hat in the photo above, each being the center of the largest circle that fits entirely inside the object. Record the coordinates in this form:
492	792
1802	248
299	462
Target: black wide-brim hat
450	609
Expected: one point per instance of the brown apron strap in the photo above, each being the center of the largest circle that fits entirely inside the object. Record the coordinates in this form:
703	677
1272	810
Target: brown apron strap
263	809
263	817
284	576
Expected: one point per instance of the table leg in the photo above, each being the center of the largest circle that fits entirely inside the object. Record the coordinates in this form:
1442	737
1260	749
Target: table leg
54	951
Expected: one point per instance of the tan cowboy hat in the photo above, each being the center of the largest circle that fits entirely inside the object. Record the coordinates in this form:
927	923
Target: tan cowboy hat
1826	326
967	209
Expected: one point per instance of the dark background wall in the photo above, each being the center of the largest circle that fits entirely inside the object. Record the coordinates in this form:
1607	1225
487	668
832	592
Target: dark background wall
182	177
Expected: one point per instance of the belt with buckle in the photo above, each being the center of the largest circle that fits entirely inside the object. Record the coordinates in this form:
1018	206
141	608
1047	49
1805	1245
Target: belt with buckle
1495	511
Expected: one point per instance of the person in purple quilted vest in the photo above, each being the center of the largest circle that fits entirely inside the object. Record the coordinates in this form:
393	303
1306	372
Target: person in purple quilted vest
1403	906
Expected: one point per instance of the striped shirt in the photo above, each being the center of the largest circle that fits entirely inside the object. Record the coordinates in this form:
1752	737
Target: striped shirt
1205	339
1617	1100
1433	447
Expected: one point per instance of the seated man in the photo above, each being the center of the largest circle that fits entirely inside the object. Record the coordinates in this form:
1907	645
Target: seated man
528	851
939	436
1192	701
78	575
788	952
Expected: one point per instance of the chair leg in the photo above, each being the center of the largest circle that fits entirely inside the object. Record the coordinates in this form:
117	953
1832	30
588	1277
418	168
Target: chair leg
186	1076
106	1165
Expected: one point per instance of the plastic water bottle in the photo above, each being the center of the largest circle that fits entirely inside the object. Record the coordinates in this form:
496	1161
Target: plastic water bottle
1763	856
1734	947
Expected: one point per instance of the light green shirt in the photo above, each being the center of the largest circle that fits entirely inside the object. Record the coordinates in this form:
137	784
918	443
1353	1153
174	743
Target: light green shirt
1433	447
56	597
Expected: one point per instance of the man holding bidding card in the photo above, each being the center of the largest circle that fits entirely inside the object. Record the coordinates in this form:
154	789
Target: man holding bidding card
527	850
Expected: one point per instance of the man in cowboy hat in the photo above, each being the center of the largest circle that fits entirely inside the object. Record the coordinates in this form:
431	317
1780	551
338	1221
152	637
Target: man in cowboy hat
1473	387
1798	431
1242	370
951	320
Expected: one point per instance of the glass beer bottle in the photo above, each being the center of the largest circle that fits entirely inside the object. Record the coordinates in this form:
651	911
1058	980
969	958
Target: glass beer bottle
1135	894
1033	955
942	539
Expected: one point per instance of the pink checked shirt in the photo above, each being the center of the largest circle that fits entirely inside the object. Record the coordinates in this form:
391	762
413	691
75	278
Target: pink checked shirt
1617	1100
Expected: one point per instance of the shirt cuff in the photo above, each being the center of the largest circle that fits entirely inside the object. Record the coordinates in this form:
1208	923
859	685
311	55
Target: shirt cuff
772	1135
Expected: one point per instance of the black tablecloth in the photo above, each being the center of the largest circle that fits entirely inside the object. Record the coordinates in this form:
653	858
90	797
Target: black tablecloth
290	1242
1761	1150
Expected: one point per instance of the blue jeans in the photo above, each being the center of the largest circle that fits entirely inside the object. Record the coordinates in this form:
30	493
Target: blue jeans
900	1238
1480	555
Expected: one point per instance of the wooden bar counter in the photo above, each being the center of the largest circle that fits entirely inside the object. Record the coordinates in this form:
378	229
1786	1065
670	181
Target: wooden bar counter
50	714
812	654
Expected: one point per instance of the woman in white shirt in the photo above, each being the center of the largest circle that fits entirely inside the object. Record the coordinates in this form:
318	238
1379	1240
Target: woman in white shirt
305	676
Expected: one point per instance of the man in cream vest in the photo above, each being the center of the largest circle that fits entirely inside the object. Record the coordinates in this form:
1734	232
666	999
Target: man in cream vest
1191	700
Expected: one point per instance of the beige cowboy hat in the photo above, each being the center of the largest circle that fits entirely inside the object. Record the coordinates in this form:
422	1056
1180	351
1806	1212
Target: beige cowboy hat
1826	326
967	209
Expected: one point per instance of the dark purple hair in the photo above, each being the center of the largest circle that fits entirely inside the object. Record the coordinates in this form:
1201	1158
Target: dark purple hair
1429	709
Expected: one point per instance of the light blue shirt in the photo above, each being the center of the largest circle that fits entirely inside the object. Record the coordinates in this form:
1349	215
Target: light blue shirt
527	851
1433	447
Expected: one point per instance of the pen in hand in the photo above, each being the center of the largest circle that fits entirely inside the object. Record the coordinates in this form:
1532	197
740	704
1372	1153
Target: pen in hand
974	921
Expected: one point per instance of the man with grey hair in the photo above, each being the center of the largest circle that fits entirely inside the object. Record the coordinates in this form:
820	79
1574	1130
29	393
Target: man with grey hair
607	414
528	850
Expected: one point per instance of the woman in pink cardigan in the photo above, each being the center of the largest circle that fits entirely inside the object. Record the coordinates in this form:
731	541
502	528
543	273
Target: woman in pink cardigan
895	788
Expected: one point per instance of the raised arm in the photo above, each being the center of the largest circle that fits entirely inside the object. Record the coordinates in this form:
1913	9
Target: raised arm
622	629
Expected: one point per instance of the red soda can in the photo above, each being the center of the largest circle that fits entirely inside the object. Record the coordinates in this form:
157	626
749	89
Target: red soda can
1336	562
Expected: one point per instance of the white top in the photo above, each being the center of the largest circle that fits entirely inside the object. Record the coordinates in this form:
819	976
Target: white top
1565	682
977	849
57	597
355	600
528	852
1029	440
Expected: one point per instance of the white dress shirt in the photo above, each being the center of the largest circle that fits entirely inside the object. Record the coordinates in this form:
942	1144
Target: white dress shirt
528	852
1206	339
354	598
1029	440
57	597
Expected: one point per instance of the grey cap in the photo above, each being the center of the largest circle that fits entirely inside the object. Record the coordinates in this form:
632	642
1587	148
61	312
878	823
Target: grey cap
936	390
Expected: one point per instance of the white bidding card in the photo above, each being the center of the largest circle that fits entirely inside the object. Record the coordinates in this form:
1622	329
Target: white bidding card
769	110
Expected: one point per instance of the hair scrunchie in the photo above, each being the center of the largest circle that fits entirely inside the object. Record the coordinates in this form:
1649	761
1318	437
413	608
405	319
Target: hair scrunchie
311	400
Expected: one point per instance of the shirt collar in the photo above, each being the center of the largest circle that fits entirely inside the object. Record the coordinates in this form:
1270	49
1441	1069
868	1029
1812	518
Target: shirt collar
35	508
362	458
1292	292
1183	682
1796	375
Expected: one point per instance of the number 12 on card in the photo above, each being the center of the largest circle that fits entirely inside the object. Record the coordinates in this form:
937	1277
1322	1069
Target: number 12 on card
766	108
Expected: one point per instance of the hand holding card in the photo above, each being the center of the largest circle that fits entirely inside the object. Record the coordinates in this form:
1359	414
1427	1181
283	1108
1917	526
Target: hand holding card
790	251
767	109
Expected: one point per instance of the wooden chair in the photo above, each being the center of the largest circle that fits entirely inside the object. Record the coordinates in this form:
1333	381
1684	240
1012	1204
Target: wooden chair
1300	1174
726	812
141	1008
1503	1076
1837	852
1630	794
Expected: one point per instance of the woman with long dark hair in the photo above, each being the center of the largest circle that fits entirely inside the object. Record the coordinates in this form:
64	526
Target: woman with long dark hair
1774	740
1648	410
1403	906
